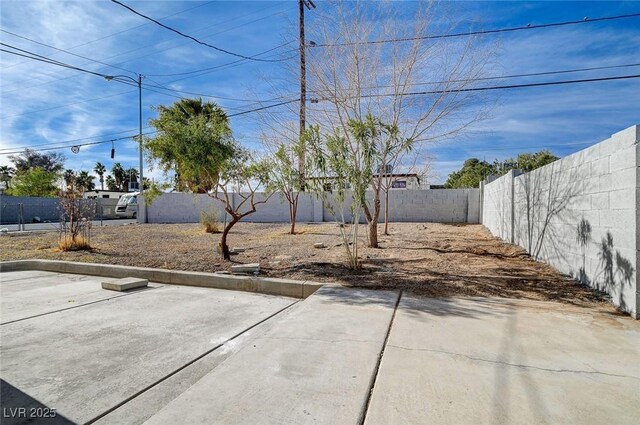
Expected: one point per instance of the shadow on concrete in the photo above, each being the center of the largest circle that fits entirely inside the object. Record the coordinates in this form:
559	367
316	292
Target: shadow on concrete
416	305
425	278
18	407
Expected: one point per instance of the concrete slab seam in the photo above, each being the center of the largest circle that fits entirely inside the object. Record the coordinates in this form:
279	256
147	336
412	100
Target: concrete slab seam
186	365
374	377
78	306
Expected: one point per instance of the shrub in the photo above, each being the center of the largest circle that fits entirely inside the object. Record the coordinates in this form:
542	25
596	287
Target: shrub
75	219
210	220
68	243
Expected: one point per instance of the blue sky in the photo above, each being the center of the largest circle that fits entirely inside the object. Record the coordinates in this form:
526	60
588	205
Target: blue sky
44	104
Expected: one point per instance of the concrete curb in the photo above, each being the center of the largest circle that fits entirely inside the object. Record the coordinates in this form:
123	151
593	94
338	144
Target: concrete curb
269	286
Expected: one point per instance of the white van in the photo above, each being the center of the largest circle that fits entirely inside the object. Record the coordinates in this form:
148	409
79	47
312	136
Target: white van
128	205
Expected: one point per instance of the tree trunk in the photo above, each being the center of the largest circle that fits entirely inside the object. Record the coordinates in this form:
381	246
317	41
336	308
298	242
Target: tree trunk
372	221
373	234
386	212
293	212
224	247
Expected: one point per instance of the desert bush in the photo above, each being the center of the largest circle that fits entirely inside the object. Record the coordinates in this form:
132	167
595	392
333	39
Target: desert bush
68	243
210	220
75	219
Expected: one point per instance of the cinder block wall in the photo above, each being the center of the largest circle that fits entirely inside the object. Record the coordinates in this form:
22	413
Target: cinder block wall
47	209
448	206
579	214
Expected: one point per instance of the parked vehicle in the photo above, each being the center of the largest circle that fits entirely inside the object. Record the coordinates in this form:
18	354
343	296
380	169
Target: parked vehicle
128	205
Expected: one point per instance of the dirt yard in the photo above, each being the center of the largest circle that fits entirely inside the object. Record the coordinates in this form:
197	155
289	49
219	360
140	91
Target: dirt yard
428	259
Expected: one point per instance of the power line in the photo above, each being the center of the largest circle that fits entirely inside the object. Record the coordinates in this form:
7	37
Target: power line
191	37
225	64
156	44
77	144
65	51
67	104
264	107
34	56
182	98
121	32
53	62
501	77
482	32
235	99
74	140
512	86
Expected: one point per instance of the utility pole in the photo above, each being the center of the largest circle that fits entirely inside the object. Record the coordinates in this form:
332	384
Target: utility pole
303	84
137	82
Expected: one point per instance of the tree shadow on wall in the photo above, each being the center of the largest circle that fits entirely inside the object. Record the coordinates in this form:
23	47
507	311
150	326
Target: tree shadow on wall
614	271
546	197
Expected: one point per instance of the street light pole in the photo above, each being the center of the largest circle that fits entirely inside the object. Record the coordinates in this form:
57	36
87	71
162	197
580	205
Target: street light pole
137	82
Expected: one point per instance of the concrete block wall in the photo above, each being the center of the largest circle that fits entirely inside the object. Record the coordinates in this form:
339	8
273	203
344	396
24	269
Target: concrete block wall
445	205
47	209
186	208
579	214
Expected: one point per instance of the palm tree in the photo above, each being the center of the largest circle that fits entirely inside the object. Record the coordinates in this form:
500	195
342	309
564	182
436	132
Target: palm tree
111	183
132	175
69	177
119	175
100	169
84	181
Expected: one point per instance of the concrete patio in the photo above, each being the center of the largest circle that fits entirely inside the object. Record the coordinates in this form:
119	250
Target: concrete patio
178	354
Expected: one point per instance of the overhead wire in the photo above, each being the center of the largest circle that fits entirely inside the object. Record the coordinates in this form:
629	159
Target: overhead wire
75	140
66	51
500	77
155	44
228	52
503	87
77	144
480	32
120	32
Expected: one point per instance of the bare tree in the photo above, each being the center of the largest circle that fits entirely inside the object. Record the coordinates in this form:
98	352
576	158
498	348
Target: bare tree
241	176
415	88
285	168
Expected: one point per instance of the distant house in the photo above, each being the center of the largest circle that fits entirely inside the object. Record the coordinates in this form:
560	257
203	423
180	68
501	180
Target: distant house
410	181
399	181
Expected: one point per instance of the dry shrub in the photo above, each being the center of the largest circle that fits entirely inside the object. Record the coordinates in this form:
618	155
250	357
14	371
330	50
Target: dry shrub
75	219
210	220
68	243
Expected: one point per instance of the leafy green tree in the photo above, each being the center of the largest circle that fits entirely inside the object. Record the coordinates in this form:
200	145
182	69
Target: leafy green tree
285	175
49	162
194	140
346	162
34	182
530	161
470	175
474	171
100	170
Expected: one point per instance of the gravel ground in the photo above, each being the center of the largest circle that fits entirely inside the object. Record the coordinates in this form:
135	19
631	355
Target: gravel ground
426	258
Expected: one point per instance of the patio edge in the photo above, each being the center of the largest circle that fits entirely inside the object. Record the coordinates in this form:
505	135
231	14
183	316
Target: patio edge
262	285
